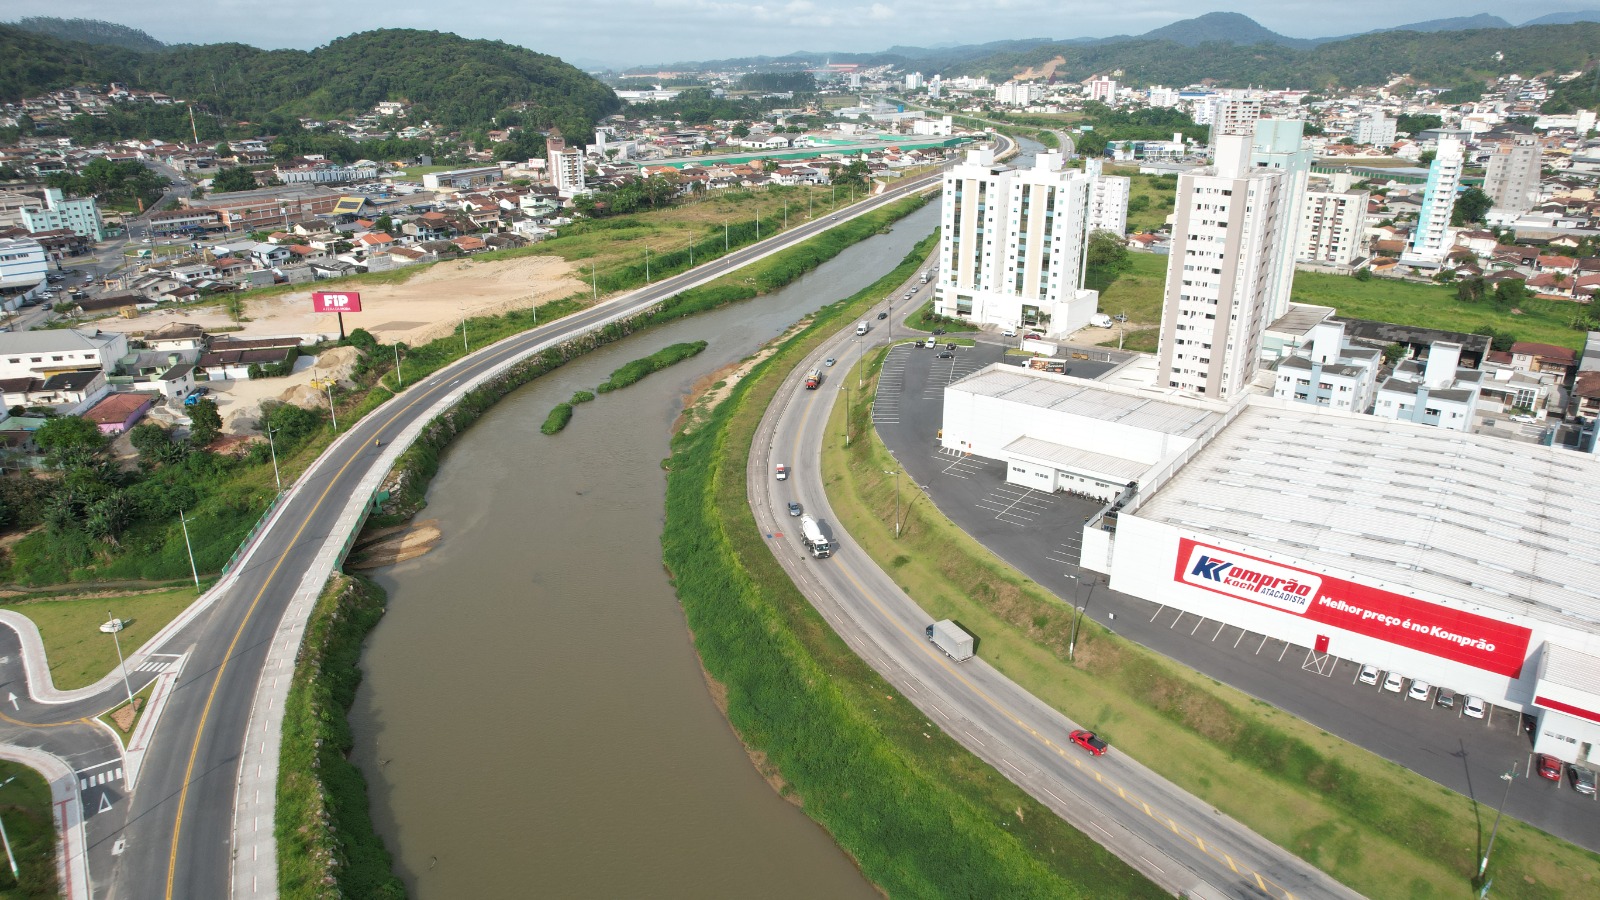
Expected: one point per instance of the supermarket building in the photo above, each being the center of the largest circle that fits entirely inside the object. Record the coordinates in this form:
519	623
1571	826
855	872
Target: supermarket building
1468	562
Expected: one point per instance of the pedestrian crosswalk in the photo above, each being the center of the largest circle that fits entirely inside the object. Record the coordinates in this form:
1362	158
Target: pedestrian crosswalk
158	662
107	776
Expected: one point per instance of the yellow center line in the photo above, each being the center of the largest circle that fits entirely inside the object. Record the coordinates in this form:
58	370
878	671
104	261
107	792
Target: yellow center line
941	660
205	712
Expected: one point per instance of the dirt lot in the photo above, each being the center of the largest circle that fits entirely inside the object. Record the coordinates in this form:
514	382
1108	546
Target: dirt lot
427	306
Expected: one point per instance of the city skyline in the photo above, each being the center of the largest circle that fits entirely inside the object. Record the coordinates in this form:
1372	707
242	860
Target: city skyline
670	31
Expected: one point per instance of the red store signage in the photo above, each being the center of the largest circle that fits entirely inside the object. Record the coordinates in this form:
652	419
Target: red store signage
328	301
1456	635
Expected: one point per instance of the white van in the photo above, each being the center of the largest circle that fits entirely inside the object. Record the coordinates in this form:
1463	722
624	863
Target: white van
1100	320
861	329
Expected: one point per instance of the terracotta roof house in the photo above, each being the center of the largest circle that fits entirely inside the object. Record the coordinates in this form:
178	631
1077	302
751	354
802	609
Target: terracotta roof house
117	413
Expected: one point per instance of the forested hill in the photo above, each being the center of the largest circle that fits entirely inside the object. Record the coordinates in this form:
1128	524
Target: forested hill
1438	58
91	31
452	81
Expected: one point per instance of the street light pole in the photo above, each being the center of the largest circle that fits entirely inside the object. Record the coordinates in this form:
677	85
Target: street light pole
1483	866
7	838
724	235
121	663
896	503
189	547
646	263
399	376
1077	615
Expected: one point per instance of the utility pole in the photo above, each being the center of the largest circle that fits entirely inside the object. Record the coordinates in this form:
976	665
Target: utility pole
399	376
272	445
896	503
724	235
594	282
646	263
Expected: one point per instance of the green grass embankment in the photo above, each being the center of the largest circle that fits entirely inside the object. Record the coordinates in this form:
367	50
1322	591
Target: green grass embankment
327	847
30	826
78	651
1369	823
921	815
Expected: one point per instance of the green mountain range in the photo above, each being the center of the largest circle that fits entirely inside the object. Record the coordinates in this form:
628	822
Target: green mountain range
451	81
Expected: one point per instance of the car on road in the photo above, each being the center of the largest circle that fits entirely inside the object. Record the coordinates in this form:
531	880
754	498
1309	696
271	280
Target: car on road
1394	682
1369	675
829	361
883	315
937	331
1473	707
1526	420
794	508
1088	741
1009	332
1549	767
1445	698
781	472
1582	779
1419	690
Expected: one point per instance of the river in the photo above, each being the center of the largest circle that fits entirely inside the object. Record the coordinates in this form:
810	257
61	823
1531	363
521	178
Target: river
533	718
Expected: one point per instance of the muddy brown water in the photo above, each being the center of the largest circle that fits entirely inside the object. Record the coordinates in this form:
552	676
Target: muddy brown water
533	720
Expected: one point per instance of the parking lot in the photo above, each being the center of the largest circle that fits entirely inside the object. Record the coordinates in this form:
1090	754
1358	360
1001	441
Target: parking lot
1039	534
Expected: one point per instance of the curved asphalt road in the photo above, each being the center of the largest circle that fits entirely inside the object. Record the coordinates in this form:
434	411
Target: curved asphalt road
1177	840
173	836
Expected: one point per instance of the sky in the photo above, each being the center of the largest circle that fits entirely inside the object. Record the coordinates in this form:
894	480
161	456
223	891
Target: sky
641	32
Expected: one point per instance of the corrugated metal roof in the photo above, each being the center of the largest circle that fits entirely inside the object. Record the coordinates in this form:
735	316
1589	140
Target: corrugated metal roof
1094	400
1505	525
1570	668
1062	456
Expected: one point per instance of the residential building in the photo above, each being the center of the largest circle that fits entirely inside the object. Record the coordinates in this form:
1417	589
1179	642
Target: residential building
81	217
1108	205
1433	391
23	269
1432	239
1330	371
1373	128
41	354
1230	112
1333	220
1221	272
566	166
1276	144
1012	244
913	81
1103	90
119	412
1018	93
1511	178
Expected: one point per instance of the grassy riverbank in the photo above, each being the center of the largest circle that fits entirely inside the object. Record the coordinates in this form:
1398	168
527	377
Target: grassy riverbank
1374	825
327	848
919	814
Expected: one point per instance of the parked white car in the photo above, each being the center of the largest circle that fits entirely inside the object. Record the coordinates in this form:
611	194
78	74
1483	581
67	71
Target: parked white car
1394	682
1474	707
1420	690
1369	674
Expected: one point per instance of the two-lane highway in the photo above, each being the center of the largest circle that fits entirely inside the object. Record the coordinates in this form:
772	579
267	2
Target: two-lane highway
174	835
1173	837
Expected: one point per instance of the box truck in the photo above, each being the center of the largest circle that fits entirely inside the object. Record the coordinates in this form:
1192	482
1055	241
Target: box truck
948	636
813	378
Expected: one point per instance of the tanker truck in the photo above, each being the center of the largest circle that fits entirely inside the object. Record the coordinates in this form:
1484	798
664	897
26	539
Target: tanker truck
811	535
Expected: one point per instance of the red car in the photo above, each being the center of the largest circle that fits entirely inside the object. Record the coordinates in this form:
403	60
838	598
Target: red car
1549	767
1089	742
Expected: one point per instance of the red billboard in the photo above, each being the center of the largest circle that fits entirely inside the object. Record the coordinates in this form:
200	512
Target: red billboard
1453	634
330	301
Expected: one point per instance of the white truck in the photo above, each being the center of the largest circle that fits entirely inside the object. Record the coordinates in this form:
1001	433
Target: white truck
862	328
811	535
948	636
